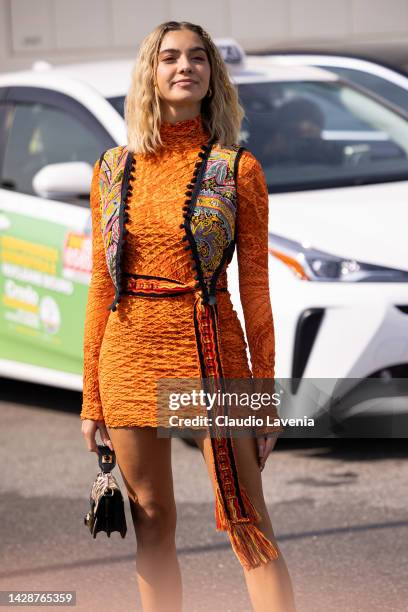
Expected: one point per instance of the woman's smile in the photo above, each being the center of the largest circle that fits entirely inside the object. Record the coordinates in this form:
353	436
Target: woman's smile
189	82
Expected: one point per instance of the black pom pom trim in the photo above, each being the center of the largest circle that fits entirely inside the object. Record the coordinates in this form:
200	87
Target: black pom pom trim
126	190
194	185
192	193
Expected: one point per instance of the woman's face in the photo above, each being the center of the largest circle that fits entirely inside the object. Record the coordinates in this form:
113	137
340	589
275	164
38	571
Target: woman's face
183	69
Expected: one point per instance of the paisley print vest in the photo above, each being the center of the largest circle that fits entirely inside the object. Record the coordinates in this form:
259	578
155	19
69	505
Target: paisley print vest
209	220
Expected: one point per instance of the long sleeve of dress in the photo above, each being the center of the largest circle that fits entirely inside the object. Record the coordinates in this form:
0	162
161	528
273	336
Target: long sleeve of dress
252	256
100	296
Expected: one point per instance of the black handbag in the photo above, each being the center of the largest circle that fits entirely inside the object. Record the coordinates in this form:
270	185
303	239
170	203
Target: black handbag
107	511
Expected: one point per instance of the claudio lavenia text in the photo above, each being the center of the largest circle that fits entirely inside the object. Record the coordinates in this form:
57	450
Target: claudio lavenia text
249	421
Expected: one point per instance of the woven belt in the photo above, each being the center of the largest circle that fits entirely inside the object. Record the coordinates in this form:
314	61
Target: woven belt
156	286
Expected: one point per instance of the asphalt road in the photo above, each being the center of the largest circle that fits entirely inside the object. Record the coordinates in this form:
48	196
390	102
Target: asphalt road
339	510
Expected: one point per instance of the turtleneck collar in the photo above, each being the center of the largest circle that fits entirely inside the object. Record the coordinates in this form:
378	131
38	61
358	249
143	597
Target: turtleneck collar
184	134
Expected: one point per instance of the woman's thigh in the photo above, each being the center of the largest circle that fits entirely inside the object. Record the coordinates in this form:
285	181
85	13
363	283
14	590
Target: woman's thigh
249	474
144	461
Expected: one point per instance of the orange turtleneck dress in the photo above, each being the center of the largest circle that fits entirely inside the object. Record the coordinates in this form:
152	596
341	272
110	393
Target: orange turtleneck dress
127	350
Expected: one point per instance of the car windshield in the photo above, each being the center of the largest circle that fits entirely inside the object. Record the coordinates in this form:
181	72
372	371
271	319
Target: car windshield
310	135
396	94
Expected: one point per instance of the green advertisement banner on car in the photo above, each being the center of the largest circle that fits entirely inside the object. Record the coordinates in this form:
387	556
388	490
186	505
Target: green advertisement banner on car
44	283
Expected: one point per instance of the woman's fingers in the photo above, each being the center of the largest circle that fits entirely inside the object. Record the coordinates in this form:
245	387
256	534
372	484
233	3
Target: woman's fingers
261	449
265	447
104	435
89	428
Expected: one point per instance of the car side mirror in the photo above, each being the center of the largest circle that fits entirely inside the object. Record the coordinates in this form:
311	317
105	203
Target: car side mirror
65	180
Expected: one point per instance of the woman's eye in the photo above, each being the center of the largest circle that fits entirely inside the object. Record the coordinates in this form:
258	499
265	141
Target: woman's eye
171	59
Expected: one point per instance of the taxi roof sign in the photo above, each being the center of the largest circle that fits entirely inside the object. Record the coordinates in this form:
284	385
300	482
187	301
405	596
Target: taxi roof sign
232	53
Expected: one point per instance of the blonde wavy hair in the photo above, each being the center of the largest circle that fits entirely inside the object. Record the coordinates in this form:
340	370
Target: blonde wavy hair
221	113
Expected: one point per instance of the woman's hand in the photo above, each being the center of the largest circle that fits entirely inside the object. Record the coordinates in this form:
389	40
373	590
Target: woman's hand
265	447
89	428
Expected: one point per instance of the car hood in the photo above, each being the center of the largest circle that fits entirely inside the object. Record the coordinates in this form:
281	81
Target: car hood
368	223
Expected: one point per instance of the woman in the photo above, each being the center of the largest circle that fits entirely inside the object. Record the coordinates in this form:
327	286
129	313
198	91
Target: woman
167	314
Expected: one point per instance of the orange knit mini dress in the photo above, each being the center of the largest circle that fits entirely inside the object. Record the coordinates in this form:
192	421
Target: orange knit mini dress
127	350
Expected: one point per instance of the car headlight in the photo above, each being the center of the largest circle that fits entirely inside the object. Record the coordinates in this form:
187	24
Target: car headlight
311	264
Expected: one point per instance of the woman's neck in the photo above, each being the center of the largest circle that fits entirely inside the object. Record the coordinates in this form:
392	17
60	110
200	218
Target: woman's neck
173	114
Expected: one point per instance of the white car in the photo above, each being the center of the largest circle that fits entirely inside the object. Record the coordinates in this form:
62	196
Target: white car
336	162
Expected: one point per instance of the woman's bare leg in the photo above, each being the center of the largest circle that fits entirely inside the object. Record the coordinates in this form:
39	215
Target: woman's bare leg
269	585
144	461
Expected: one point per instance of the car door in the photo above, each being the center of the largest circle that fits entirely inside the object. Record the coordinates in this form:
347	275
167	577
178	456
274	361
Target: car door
45	245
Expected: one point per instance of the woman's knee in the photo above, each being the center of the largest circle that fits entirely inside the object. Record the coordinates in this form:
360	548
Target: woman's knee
155	523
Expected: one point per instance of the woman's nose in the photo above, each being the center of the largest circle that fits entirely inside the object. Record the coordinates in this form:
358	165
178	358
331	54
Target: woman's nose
185	65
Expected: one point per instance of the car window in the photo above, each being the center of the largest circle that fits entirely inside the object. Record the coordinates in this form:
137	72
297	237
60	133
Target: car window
310	135
382	87
321	134
41	134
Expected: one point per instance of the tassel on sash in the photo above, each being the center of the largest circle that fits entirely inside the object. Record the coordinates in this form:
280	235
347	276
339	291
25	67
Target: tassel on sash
250	545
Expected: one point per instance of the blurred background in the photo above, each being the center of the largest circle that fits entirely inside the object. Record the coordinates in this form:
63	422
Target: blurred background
102	29
324	86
